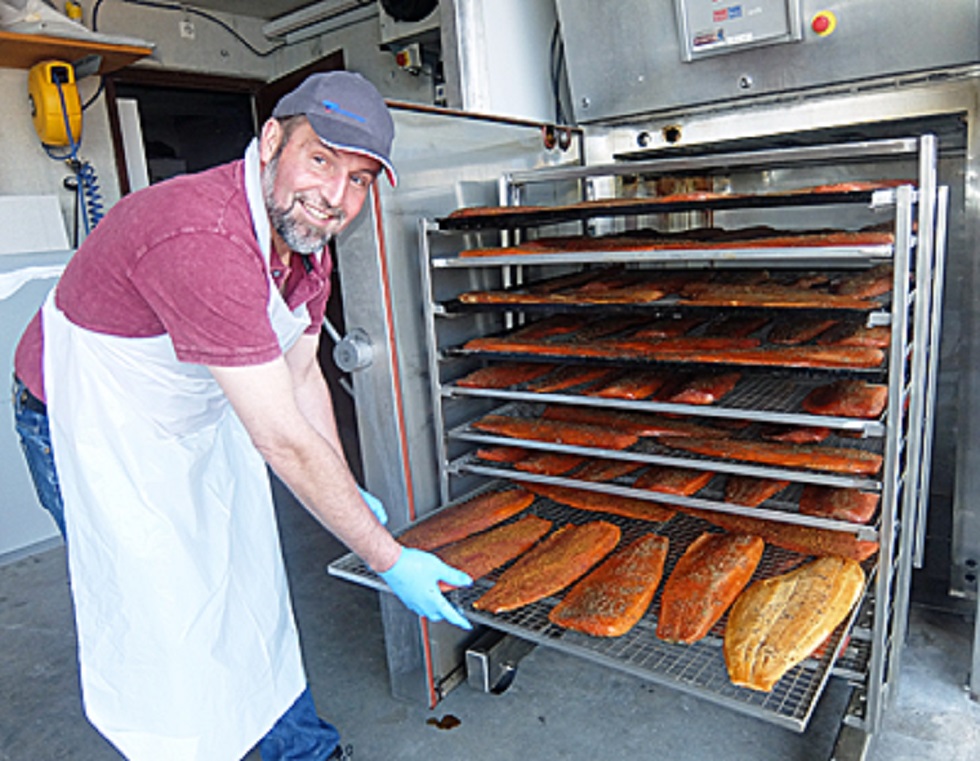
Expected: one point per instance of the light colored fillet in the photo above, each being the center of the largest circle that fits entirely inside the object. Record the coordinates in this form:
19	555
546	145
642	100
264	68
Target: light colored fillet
778	622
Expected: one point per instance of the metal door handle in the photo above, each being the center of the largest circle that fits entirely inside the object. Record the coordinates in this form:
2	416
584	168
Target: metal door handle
354	351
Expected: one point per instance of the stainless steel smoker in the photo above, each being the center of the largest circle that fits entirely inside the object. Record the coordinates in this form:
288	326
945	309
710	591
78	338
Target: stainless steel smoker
764	96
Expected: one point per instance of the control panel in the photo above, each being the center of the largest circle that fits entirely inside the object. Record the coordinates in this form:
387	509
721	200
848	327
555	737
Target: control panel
711	27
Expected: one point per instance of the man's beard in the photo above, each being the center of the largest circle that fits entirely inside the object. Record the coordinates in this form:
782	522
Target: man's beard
301	237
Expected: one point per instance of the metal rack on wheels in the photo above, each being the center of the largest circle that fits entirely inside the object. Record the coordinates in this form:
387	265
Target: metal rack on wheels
866	649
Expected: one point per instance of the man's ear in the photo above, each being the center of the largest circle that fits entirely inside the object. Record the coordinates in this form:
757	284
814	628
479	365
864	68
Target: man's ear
269	139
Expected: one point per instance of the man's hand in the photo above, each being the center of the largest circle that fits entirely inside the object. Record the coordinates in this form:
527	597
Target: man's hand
376	507
415	578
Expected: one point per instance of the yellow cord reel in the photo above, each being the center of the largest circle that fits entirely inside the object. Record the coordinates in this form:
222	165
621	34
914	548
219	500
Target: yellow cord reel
55	105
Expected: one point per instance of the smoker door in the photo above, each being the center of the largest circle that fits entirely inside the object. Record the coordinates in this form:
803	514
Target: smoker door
445	160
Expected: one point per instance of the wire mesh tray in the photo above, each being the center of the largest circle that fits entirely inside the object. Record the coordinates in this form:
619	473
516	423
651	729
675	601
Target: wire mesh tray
783	507
525	217
756	397
698	669
649	450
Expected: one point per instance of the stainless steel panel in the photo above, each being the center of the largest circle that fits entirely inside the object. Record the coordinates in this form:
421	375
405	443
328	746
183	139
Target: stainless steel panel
445	160
629	61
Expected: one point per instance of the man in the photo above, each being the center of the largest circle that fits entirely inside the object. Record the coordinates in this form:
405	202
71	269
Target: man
178	358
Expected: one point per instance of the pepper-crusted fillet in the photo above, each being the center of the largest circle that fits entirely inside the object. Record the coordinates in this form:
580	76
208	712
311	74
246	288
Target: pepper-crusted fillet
828	459
868	284
842	357
847	398
570	376
557	561
795	434
779	621
670	480
736	326
481	553
878	337
668	327
504	375
555	431
751	491
790	332
597	502
635	384
637	423
806	540
501	454
605	470
476	514
704	389
770	295
613	597
704	583
839	504
549	463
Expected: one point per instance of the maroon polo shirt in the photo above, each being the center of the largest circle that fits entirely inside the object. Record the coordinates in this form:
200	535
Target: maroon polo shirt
181	258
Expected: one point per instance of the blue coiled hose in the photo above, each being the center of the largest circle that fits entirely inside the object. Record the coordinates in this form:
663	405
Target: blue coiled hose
88	196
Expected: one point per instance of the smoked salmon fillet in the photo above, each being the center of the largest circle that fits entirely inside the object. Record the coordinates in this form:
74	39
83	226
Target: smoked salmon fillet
558	560
504	375
770	295
828	459
610	504
670	480
779	621
751	491
600	470
795	434
460	521
639	423
836	357
707	578
556	325
612	598
868	284
791	332
668	327
736	326
555	431
501	454
479	554
570	376
636	384
704	389
806	540
839	504
878	337
549	463
847	398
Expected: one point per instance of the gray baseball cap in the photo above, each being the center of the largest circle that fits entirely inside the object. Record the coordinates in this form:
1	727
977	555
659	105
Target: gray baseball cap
346	112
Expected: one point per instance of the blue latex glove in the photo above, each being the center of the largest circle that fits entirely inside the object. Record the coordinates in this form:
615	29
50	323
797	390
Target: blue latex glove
415	578
376	507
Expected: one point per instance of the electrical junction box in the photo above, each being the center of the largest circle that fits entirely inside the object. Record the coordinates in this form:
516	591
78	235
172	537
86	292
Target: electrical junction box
395	31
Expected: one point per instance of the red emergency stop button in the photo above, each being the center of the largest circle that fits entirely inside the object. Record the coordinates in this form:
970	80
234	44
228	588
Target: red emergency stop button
824	23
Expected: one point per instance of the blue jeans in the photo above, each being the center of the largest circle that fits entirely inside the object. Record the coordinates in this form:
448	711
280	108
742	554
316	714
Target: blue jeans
31	423
299	735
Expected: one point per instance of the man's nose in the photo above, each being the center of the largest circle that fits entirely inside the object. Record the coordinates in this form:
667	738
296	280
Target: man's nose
335	189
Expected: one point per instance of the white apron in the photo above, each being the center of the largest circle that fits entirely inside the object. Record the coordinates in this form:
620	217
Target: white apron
187	644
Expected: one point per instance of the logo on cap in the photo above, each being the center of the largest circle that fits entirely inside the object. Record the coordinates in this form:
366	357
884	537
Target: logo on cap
331	106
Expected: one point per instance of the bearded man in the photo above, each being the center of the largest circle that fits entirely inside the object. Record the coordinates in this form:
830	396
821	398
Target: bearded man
173	362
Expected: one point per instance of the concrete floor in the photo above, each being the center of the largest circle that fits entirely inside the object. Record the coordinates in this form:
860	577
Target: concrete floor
559	707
